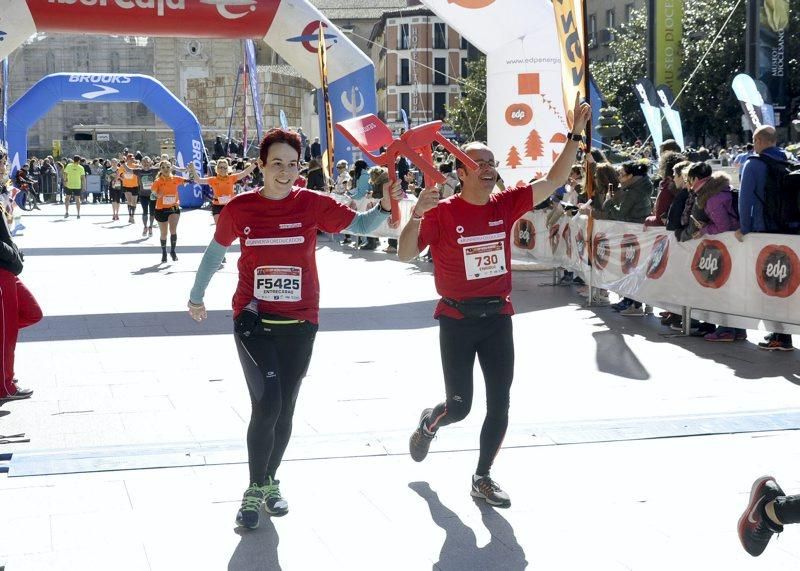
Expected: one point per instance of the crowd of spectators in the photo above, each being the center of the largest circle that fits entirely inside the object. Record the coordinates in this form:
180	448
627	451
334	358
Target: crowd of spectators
689	198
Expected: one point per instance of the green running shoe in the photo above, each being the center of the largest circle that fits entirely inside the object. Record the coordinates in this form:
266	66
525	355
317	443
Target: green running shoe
251	504
274	503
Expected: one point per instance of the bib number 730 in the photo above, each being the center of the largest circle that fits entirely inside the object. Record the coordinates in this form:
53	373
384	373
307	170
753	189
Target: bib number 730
485	260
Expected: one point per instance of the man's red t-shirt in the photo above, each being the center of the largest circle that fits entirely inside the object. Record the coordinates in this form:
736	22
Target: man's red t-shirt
471	246
278	238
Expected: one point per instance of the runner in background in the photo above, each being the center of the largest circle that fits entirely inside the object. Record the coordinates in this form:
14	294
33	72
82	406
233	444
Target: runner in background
130	184
168	210
222	185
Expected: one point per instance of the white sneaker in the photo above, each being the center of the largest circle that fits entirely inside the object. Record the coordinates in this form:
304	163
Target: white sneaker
598	299
633	310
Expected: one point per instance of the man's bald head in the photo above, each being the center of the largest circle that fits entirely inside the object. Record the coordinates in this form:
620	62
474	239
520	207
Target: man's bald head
764	137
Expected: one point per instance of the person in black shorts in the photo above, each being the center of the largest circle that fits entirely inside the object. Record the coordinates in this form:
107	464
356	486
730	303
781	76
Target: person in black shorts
114	190
145	174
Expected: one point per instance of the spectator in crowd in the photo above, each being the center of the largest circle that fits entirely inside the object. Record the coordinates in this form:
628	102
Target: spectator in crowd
713	212
378	179
359	193
451	183
316	149
316	178
742	157
724	157
674	221
219	148
402	168
666	188
634	205
756	181
303	141
669	146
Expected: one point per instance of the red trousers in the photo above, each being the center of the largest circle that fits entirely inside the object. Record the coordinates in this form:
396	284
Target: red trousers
18	309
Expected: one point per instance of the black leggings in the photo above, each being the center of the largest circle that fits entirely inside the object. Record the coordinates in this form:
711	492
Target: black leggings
787	508
148	208
274	367
492	339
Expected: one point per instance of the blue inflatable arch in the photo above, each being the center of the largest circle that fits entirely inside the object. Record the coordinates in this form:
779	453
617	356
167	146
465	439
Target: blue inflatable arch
109	88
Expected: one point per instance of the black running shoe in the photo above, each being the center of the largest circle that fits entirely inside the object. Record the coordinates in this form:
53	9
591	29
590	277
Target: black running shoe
274	503
174	256
163	258
755	528
487	489
420	440
251	504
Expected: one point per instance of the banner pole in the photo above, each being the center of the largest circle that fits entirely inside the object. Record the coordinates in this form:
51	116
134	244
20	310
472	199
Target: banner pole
587	163
233	110
245	87
327	158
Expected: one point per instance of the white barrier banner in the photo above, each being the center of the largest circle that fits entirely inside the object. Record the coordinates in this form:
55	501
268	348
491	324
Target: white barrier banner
755	279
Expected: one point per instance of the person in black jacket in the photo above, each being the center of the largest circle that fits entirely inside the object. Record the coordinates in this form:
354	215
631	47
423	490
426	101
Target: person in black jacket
18	307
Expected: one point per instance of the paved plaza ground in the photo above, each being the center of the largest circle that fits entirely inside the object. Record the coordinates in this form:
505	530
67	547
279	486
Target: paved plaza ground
627	448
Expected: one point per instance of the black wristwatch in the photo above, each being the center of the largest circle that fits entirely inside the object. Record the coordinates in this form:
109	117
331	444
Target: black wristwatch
383	209
575	137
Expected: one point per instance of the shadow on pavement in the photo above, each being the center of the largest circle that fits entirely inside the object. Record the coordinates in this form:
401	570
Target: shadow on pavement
147	270
616	358
257	549
743	358
460	549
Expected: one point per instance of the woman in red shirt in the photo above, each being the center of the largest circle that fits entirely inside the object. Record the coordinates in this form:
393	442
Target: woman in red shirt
168	207
276	303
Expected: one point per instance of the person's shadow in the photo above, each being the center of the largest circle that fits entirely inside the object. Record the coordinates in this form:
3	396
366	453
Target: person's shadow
460	551
257	549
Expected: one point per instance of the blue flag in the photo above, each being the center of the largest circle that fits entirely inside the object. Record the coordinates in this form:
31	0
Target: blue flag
5	104
252	74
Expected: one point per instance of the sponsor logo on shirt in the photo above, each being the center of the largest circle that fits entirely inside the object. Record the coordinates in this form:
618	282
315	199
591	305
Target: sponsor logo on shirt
289	226
289	240
482	238
495	222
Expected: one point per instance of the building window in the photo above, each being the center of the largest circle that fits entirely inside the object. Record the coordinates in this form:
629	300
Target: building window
464	68
629	8
114	63
610	19
403	38
405	103
440	71
439	106
82	58
50	63
464	43
592	31
439	36
405	77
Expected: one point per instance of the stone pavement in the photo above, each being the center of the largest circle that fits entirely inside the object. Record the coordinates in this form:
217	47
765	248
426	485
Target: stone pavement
626	449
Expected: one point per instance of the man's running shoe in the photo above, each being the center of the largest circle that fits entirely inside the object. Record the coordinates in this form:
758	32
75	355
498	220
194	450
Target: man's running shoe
144	232
755	528
251	504
163	258
274	502
420	441
487	489
174	256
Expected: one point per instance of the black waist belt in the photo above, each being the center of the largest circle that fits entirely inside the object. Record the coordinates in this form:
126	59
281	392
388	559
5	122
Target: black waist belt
477	306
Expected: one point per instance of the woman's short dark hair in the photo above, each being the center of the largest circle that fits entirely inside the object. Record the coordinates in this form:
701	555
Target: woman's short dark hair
635	168
278	136
699	171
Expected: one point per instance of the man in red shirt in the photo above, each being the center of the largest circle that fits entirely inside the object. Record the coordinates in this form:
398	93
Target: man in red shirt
469	236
